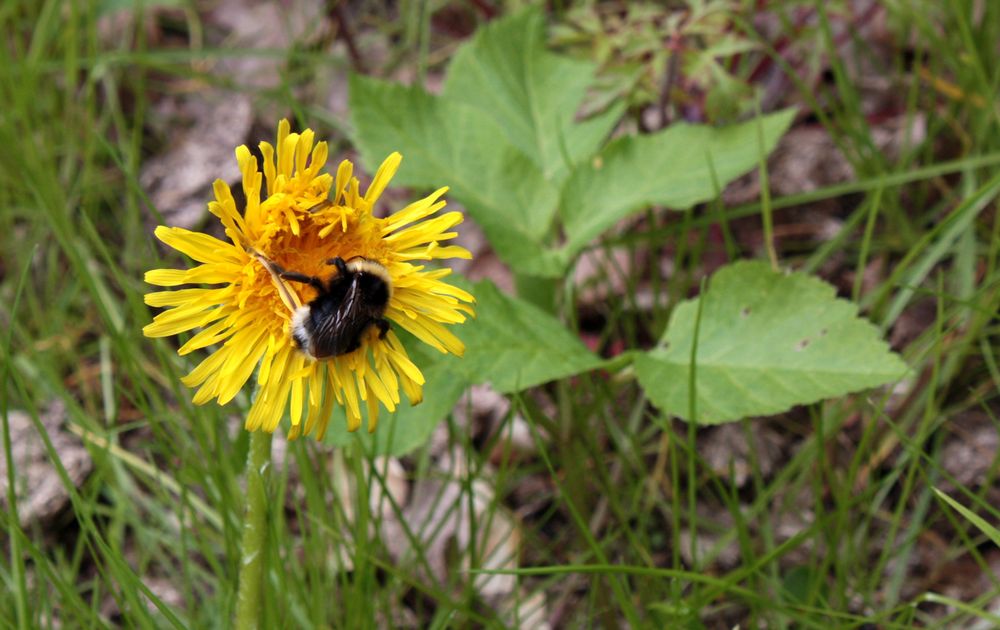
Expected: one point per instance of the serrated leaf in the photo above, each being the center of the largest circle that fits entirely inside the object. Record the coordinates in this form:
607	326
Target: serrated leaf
452	144
766	341
511	344
670	168
533	94
515	345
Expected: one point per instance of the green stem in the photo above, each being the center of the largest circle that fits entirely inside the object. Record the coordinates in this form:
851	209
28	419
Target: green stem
254	533
765	195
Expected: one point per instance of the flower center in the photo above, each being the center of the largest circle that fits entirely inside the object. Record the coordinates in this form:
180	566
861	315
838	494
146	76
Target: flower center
304	243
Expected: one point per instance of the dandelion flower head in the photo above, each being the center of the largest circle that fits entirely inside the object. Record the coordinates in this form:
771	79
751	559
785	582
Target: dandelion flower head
300	217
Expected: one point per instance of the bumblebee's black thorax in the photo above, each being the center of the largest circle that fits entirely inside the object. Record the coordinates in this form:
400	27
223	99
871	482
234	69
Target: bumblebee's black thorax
345	306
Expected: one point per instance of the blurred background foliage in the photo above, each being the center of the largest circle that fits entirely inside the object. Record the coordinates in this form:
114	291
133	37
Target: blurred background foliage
124	502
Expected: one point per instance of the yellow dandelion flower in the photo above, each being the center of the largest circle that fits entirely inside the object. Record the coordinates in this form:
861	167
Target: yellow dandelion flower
284	251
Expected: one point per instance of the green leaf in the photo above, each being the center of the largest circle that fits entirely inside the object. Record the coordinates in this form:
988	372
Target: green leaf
411	425
766	341
971	516
673	168
799	583
728	96
107	7
511	344
452	144
515	345
533	94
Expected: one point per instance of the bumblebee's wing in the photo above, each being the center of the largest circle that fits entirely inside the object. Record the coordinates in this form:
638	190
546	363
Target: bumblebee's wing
352	316
341	330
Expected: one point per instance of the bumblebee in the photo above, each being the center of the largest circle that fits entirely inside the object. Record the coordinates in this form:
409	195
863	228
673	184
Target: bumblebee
346	305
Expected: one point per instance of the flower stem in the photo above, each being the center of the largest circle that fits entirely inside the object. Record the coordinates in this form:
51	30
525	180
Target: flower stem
254	533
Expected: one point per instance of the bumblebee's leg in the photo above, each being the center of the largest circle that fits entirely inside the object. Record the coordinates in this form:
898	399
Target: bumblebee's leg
295	276
339	263
277	272
383	327
351	347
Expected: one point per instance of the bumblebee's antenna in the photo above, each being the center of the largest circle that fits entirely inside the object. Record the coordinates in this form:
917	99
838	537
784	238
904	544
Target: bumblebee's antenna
322	205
